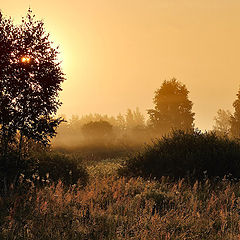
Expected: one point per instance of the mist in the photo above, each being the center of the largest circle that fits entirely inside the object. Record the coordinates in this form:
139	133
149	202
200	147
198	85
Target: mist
96	132
120	52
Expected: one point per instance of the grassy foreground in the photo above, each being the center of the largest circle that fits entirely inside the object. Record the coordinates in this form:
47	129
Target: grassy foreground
112	207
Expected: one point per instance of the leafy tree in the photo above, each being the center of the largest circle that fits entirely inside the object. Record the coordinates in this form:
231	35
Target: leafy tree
30	81
98	131
173	109
134	118
7	36
235	118
121	123
222	122
91	117
139	118
130	119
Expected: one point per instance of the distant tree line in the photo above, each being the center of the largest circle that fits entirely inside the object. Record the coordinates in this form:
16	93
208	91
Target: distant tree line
129	128
227	124
172	111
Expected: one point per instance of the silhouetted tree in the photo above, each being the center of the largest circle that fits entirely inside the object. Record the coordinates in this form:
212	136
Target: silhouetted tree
134	118
130	119
120	121
173	109
93	118
235	118
222	124
30	79
99	132
139	118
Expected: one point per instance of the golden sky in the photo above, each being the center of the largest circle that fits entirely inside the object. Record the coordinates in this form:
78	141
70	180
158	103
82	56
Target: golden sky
116	53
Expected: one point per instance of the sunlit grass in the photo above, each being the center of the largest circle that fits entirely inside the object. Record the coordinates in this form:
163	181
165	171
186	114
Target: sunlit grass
121	208
104	168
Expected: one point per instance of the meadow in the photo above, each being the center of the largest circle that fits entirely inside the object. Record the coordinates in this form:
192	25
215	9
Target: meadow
100	177
111	206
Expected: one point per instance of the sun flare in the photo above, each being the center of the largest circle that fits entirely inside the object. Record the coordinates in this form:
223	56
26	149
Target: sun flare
25	59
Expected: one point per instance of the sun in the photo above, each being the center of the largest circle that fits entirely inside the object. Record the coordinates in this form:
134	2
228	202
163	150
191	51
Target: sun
25	59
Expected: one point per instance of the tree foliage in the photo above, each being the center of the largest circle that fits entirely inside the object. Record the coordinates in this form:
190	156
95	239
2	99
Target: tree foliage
30	79
173	109
222	124
235	118
134	118
98	131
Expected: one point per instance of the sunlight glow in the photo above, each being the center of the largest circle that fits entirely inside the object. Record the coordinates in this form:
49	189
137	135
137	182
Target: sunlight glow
25	59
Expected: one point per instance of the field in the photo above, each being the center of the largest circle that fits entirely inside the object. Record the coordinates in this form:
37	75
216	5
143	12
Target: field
165	173
114	207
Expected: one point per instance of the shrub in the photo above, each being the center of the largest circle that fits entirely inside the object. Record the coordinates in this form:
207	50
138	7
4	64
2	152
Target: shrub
9	168
182	154
41	167
58	166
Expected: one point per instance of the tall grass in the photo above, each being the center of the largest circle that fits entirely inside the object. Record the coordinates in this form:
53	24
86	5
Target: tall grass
109	207
121	208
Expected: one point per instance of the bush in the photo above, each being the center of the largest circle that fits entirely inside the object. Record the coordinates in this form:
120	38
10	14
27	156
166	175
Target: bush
35	164
41	167
181	154
57	166
8	167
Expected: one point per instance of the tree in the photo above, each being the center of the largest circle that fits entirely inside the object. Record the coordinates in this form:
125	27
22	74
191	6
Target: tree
7	36
99	132
139	118
30	81
121	122
134	118
235	118
222	124
130	119
173	109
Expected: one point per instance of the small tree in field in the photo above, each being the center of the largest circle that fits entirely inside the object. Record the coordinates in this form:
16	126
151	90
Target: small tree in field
222	124
98	132
235	118
30	81
173	109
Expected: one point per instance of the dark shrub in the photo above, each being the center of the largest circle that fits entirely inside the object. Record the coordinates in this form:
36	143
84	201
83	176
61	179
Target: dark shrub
192	155
8	169
40	168
60	167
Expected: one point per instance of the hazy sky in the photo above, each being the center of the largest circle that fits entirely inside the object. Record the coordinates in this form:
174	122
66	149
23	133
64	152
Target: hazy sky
116	53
